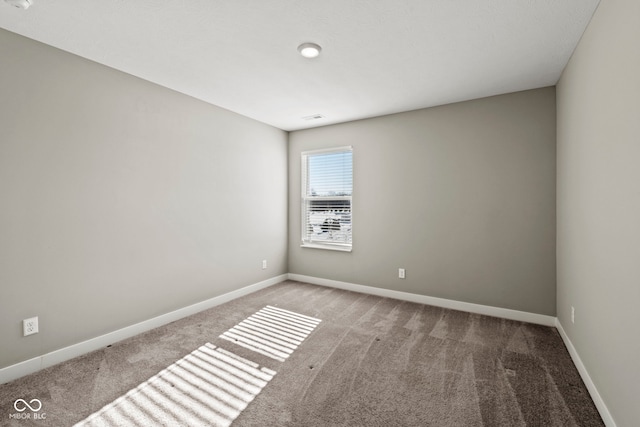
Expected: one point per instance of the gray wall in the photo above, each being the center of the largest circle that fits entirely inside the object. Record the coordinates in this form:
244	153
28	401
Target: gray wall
462	196
122	200
599	204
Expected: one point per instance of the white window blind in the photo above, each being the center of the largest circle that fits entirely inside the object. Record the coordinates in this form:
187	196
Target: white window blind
327	189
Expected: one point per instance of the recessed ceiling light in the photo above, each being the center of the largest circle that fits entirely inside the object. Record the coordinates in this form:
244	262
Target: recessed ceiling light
309	50
20	4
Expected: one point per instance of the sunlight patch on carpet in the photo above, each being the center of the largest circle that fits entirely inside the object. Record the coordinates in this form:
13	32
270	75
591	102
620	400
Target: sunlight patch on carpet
272	331
209	387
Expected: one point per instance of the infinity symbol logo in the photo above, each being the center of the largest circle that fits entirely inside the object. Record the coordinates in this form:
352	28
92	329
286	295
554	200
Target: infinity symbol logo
26	405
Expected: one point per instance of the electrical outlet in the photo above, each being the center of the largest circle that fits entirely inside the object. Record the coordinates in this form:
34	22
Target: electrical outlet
30	326
401	273
573	315
264	264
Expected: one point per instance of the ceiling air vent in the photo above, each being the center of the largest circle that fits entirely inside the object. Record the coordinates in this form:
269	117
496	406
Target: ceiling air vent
313	117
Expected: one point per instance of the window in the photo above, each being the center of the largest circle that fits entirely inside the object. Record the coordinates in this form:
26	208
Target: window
327	188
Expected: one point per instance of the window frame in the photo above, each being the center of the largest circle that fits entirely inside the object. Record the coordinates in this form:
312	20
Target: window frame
306	242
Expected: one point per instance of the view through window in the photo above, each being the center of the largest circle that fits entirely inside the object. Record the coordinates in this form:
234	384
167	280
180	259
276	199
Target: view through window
327	190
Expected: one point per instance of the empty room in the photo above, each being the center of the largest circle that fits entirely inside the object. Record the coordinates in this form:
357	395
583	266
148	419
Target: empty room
336	213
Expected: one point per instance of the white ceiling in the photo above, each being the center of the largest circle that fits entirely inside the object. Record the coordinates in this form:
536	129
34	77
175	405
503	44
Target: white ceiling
379	56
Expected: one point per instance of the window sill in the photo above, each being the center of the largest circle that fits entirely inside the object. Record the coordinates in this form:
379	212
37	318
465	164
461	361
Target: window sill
340	248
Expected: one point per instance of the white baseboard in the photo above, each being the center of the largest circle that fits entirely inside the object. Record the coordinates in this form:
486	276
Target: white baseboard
586	378
35	364
41	362
504	313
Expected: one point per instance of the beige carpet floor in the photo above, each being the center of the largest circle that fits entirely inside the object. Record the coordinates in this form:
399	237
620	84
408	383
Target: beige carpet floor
296	354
